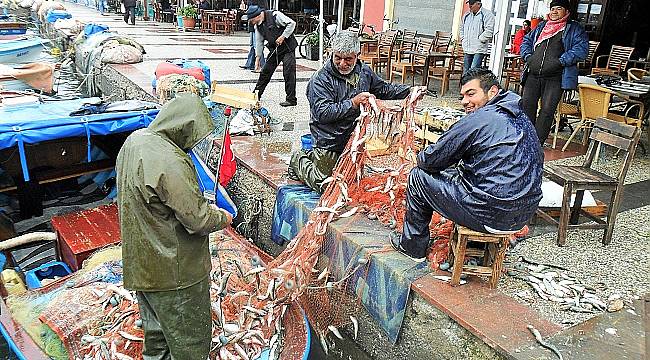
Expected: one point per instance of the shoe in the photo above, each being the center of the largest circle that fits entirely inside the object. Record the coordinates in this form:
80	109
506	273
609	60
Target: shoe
256	71
245	67
292	174
395	241
288	103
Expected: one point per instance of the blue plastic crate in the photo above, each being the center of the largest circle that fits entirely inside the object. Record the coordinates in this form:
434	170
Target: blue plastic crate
50	270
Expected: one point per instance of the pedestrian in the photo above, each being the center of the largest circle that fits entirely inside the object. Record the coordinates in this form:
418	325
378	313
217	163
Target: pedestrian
250	61
476	33
276	29
335	93
519	37
129	11
164	223
484	173
551	53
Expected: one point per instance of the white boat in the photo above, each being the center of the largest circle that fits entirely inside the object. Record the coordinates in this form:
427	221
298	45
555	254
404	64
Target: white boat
21	50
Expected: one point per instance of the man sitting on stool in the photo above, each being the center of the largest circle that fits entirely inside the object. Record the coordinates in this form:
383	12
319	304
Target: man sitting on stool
484	173
277	29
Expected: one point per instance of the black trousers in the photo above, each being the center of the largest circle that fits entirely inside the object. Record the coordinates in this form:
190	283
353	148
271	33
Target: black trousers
441	192
288	61
129	12
549	91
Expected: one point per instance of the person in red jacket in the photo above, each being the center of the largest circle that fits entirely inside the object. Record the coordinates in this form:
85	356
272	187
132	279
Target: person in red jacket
519	37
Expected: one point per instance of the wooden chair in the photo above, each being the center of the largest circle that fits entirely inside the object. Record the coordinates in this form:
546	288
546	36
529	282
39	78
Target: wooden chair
569	106
409	34
415	62
402	60
593	46
442	42
381	56
512	73
580	178
616	61
594	103
452	66
491	249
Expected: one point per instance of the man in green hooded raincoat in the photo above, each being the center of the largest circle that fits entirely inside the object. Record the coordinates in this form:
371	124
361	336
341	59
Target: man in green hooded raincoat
165	222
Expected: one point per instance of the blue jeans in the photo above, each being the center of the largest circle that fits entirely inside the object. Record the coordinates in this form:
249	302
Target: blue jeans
472	61
250	62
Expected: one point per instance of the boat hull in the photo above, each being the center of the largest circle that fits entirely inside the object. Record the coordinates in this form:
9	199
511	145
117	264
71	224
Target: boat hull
21	51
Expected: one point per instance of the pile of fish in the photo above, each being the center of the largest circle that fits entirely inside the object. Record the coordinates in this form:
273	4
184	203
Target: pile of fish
443	117
554	284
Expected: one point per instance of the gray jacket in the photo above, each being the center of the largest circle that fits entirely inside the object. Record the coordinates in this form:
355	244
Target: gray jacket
332	113
476	31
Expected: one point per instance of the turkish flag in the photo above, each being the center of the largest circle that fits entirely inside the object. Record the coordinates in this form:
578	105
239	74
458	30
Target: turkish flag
228	163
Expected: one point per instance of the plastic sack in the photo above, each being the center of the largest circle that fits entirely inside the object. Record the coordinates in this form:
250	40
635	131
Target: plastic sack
54	15
93	28
191	64
242	123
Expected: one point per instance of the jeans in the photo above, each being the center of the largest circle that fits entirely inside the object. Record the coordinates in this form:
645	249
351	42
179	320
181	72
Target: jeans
441	192
471	61
288	60
250	62
548	91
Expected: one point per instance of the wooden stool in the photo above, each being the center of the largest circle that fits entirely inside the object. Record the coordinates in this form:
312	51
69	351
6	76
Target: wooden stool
493	253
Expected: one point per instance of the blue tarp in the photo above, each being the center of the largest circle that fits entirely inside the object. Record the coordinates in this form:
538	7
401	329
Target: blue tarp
206	182
384	287
33	123
93	28
54	15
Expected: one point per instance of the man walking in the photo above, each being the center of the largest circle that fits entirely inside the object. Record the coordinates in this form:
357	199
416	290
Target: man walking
484	173
165	222
551	52
250	60
476	34
129	11
277	30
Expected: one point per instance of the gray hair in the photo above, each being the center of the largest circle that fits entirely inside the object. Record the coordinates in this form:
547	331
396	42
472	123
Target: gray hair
346	42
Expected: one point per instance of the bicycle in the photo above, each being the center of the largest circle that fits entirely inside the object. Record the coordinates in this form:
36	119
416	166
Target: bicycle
311	38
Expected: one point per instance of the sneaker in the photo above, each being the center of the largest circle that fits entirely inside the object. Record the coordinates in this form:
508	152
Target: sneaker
288	103
395	241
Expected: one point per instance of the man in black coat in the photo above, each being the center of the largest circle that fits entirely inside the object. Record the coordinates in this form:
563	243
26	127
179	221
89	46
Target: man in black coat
129	11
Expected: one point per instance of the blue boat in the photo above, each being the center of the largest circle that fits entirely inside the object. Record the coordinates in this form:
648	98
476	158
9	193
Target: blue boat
21	50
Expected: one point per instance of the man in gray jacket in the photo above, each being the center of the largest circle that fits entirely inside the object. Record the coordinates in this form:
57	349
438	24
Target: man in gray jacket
476	34
335	93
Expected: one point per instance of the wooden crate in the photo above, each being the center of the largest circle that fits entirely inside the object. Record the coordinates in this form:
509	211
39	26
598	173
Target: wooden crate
234	97
82	233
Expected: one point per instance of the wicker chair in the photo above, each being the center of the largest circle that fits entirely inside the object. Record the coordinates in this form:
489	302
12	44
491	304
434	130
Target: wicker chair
594	103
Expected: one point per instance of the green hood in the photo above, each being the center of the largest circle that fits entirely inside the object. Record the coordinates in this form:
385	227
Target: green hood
185	121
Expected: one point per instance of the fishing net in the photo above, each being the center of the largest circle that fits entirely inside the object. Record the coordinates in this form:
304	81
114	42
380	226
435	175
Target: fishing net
170	85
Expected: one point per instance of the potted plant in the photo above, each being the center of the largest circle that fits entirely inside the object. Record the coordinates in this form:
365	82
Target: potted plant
312	49
189	14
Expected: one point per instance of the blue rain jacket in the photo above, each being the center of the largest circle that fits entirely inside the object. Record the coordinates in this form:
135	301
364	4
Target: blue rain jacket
576	46
496	154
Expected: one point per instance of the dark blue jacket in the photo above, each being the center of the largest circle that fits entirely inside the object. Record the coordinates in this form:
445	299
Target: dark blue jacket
576	46
329	93
496	154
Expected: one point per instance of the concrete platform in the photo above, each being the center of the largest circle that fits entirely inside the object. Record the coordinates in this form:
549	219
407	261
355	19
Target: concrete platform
441	322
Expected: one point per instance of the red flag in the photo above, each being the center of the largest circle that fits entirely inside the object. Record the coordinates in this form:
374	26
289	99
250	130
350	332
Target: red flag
228	163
